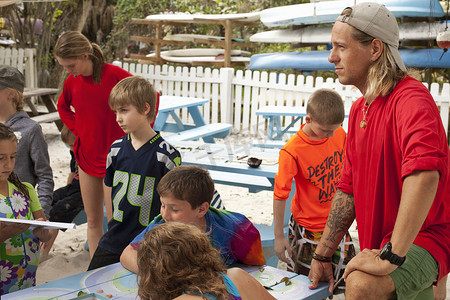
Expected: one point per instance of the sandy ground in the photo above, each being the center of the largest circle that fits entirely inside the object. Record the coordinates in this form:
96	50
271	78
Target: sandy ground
68	255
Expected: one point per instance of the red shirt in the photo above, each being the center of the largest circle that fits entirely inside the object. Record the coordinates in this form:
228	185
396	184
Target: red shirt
94	123
404	134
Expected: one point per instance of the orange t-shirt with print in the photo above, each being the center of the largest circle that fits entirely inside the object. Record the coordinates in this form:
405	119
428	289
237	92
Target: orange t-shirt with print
315	165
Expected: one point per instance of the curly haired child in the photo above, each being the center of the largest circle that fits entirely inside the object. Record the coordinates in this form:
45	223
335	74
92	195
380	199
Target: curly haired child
178	259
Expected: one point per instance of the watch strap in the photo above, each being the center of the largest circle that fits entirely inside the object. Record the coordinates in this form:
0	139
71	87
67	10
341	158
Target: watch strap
386	254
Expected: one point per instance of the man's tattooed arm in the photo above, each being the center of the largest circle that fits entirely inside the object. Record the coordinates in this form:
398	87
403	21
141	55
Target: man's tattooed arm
342	214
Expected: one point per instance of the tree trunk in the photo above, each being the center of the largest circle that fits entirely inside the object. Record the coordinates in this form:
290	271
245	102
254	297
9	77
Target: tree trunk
82	14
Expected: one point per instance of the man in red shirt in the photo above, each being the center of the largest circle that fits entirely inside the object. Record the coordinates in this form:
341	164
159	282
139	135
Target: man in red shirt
395	179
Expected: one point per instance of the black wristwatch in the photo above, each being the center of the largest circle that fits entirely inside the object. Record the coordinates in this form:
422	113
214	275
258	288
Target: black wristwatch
386	253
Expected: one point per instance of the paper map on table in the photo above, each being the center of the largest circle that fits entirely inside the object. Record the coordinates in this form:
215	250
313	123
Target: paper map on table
283	284
297	288
267	275
47	225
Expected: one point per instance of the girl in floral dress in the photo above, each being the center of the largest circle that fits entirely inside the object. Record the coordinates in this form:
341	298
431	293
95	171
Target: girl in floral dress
19	248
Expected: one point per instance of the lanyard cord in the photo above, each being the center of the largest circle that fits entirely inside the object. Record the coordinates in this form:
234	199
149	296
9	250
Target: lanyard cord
25	263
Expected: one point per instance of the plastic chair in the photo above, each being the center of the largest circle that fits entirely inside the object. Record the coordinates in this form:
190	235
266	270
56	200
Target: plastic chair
268	236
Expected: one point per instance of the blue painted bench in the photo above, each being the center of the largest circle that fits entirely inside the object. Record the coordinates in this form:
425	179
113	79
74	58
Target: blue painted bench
269	144
207	132
252	182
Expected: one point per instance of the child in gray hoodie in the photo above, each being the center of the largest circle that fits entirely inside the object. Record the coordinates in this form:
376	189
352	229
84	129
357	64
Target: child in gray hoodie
32	159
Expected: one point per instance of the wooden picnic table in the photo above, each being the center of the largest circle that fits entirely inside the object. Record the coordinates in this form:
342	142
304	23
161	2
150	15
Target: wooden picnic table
47	96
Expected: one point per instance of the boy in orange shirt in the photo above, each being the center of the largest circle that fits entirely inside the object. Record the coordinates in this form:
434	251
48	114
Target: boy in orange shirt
314	157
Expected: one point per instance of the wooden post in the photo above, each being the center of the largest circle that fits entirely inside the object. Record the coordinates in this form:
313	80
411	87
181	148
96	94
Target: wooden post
158	36
228	35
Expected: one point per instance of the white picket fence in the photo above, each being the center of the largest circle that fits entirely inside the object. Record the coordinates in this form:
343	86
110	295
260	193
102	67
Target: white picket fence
23	60
236	95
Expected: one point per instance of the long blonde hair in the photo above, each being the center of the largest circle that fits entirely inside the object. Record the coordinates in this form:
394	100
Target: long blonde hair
175	259
384	74
73	45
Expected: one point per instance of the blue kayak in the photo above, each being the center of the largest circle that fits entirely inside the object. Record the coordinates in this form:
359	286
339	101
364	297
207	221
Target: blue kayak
318	60
328	11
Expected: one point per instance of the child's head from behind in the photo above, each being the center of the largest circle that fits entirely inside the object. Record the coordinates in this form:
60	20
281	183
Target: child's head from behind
178	258
136	91
68	137
325	113
186	193
12	84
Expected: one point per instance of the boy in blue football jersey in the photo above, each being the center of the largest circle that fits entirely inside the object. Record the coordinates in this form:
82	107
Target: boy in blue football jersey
135	164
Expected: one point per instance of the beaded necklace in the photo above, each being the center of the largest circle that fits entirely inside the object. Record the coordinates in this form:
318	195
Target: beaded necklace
365	110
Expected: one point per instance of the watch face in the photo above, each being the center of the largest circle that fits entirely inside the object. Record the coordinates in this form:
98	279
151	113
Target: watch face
384	253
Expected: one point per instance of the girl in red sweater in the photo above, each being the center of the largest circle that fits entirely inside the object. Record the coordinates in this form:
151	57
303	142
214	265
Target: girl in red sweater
83	107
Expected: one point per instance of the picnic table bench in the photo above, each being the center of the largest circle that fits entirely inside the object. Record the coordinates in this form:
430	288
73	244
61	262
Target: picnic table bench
207	132
46	95
169	106
252	182
47	118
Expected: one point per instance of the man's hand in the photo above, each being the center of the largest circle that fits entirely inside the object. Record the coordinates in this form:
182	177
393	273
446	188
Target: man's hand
281	245
321	271
369	261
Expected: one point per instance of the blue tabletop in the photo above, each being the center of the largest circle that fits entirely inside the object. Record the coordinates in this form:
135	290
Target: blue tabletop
170	103
115	282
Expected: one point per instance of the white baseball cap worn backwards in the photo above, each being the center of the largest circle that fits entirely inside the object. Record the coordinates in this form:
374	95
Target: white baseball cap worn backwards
377	21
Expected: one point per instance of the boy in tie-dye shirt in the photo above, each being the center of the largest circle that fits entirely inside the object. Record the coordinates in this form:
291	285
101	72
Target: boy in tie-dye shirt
185	194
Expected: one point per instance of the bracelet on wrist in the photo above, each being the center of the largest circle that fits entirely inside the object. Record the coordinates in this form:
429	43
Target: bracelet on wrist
321	258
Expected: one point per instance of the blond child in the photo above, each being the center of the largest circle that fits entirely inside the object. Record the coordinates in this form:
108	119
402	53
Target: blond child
135	164
314	158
